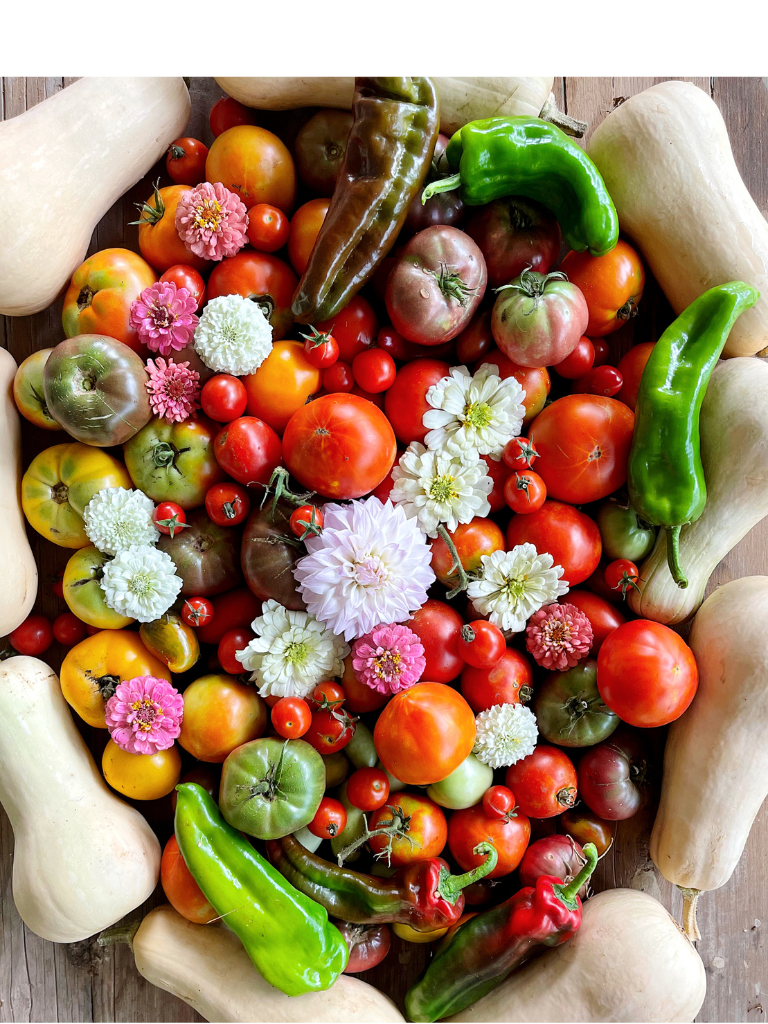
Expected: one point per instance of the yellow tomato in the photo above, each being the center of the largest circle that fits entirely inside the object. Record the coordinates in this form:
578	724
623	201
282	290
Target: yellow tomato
254	164
94	668
282	384
28	390
219	715
305	227
59	484
141	776
404	931
172	641
83	593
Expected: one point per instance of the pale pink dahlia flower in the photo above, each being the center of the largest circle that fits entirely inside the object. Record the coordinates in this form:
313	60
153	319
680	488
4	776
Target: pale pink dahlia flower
164	317
559	636
144	715
173	389
212	221
389	658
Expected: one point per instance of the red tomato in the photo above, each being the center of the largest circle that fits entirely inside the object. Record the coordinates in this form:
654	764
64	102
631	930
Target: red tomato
187	277
238	607
611	284
438	626
535	381
544	783
579	362
498	802
322	350
185	161
472	540
232	641
603	617
248	449
621	575
506	682
602	380
268	227
519	453
481	644
583	443
471	826
374	370
338	378
197	611
291	717
57	584
305	227
181	889
34	636
329	820
264	279
427	829
368	788
525	491
388	340
406	400
169	518
570	536
340	446
602	351
226	113
227	504
327	695
307	521
499	474
360	698
369	396
353	327
631	366
646	673
68	630
368	944
224	398
330	731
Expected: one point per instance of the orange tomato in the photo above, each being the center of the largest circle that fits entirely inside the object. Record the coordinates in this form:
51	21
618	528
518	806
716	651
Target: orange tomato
141	776
101	292
612	285
181	889
281	385
261	277
424	733
255	164
305	227
359	698
472	540
425	834
631	366
534	380
159	240
219	715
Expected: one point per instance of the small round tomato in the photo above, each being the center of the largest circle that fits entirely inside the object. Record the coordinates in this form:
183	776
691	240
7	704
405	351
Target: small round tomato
330	730
646	673
330	819
34	636
227	504
631	366
544	783
233	640
535	381
602	380
578	363
374	370
307	521
602	351
226	113
555	856
264	279
291	717
319	149
602	615
476	340
472	540
305	227
406	400
624	534
268	227
498	802
327	695
425	829
510	836
185	161
169	518
438	626
519	453
57	584
248	449
184	276
68	630
338	378
141	776
570	536
180	888
219	715
368	788
525	491
224	398
621	575
368	944
509	681
359	697
499	474
255	164
322	350
389	341
197	611
481	644
611	284
238	607
353	327
282	384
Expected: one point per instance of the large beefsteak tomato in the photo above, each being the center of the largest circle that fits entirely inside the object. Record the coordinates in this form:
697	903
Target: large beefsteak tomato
571	537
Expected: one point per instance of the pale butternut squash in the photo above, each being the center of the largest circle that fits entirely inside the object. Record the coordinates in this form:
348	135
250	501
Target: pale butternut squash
629	961
666	159
207	967
83	858
63	164
734	452
18	563
716	757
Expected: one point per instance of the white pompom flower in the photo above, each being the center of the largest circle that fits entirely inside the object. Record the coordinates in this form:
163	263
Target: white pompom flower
515	584
116	518
505	734
140	582
233	336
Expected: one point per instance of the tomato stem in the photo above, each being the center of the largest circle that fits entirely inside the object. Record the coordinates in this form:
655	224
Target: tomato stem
278	483
456	566
396	828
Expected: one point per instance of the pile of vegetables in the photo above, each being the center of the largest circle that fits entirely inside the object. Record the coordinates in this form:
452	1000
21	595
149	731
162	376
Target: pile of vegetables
365	580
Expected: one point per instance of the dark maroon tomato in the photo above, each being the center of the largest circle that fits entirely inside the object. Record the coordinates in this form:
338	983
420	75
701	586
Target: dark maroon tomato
612	776
602	351
438	626
248	449
368	945
601	380
319	149
436	286
558	856
269	553
205	555
444	208
514	233
395	345
476	340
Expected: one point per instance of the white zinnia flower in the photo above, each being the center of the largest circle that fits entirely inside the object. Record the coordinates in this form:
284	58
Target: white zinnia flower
441	487
506	733
140	582
371	564
292	653
233	335
115	518
515	584
480	412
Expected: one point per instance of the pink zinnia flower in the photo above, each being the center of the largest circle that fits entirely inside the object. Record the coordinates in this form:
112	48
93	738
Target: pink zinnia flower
212	221
144	715
164	317
559	636
173	389
389	658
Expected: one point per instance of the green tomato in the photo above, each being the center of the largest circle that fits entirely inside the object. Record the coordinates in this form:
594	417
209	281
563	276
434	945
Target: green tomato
623	533
354	828
82	590
464	786
569	709
360	749
271	787
336	768
395	785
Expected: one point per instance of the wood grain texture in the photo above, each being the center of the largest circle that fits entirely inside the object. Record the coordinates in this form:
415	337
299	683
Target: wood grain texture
83	982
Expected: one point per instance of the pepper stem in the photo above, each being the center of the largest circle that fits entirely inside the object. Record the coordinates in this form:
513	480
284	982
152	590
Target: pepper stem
690	924
673	556
449	886
463	578
569	893
443	185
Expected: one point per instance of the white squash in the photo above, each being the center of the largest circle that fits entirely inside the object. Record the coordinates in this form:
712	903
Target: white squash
666	159
629	961
207	967
63	163
734	453
716	757
83	858
19	569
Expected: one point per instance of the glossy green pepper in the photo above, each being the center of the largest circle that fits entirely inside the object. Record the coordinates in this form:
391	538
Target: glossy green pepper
525	156
569	709
286	934
666	478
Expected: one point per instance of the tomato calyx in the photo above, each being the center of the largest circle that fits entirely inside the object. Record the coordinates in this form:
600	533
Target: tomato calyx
266	787
176	151
173	524
304	526
566	796
525	693
317	338
278	483
628	310
164	454
452	285
533	284
578	706
265	303
150	214
106	685
396	827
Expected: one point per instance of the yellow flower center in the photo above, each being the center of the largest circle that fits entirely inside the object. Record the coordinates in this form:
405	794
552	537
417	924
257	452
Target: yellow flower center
208	215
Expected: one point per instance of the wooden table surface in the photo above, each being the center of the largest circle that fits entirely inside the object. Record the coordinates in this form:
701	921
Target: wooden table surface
42	981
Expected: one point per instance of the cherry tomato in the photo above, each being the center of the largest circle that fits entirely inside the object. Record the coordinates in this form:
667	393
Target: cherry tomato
307	521
578	363
68	630
509	681
544	783
535	381
338	378
602	380
476	340
621	575
499	474
374	370
224	398
169	518
368	944
646	673
327	695
227	504
330	731
438	626
406	400
57	585
525	492
34	636
603	617
426	830
368	788
322	350
187	277
330	819
570	536
264	279
471	826
185	161
248	449
226	113
181	889
305	227
472	540
519	453
354	328
232	641
359	697
291	717
389	341
602	351
481	644
631	366
238	607
268	227
612	285
197	611
498	802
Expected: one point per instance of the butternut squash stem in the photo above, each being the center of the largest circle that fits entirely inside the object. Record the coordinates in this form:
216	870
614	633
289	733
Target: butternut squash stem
566	123
118	933
690	925
673	556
